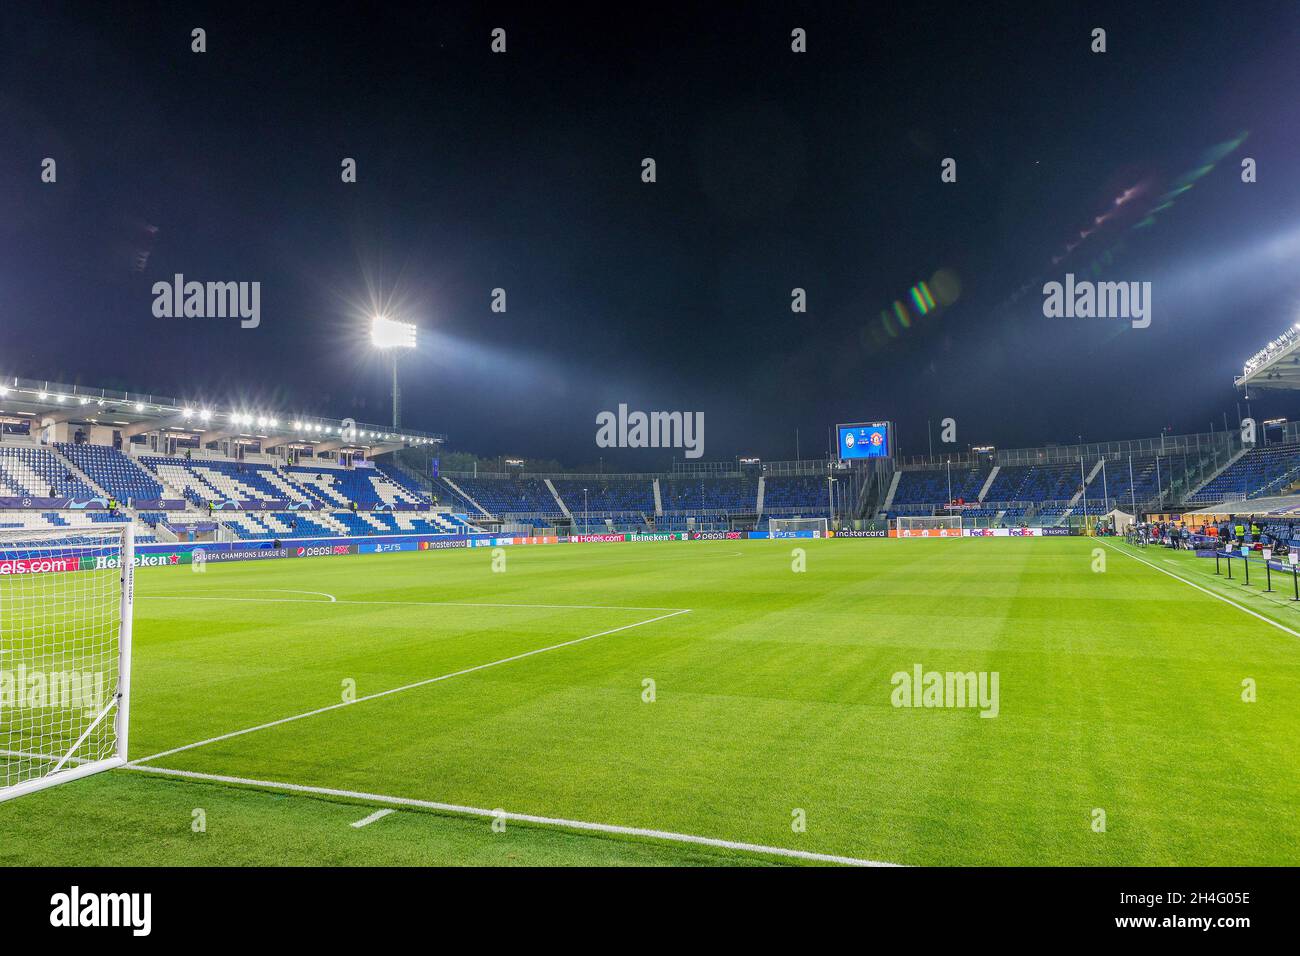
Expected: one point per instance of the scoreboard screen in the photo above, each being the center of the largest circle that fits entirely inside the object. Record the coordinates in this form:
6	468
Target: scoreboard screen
864	440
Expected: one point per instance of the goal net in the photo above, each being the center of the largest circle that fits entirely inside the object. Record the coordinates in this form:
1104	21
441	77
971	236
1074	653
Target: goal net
918	522
65	654
782	526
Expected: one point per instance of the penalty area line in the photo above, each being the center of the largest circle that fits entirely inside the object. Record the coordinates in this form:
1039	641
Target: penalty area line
406	687
1193	584
611	828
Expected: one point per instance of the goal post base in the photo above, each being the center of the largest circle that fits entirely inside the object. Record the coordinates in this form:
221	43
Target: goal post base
63	776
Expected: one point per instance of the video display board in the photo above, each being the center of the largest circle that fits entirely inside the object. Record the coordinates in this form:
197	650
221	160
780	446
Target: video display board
863	440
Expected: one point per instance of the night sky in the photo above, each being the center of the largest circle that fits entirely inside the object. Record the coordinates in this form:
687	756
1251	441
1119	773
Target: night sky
775	170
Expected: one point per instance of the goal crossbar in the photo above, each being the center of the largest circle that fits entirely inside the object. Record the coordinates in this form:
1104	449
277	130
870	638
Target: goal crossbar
916	522
787	526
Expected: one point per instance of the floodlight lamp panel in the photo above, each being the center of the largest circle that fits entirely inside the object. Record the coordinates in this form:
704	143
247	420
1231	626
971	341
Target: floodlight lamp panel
385	333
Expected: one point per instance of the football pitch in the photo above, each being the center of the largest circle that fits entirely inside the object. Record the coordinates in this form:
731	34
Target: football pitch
715	703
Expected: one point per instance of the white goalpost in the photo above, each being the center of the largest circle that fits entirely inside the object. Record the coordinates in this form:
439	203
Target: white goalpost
66	597
780	526
919	522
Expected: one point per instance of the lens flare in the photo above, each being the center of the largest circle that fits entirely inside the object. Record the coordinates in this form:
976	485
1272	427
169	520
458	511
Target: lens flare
904	319
922	298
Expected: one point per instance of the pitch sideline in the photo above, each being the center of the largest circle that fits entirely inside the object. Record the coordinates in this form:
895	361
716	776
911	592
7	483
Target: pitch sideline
1193	584
667	835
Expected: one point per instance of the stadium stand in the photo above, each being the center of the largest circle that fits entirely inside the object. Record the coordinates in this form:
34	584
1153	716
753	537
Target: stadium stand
204	480
30	472
41	520
1125	493
322	485
394	493
709	495
931	486
111	470
250	525
511	495
1052	514
608	496
1056	482
537	524
274	524
684	521
1259	472
802	494
342	486
399	476
449	495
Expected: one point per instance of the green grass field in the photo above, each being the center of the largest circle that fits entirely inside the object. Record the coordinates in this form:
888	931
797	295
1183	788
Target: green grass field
1120	690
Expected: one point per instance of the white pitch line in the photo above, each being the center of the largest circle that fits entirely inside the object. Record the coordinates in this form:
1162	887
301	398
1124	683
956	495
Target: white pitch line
554	607
324	594
1193	584
366	821
406	687
521	817
332	598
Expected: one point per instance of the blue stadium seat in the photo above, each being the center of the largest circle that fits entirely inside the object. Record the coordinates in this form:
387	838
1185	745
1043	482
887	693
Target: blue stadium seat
1262	471
111	470
27	472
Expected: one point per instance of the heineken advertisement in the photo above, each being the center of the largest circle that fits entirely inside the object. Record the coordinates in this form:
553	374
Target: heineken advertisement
101	562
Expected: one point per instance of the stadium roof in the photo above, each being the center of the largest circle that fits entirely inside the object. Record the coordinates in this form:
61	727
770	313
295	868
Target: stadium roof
1276	365
1280	505
136	413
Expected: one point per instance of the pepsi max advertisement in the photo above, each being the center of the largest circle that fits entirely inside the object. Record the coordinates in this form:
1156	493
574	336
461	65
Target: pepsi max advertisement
868	440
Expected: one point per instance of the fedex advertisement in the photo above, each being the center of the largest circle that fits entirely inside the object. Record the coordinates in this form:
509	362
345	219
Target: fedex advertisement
864	440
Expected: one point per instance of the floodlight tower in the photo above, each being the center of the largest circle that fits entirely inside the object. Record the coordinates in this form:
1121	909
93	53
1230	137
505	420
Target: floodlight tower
388	335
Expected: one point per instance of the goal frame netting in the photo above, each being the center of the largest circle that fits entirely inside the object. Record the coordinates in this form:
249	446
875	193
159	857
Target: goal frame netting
61	616
777	526
919	522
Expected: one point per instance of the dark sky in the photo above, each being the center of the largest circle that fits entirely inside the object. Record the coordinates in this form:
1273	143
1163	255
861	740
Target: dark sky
775	170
